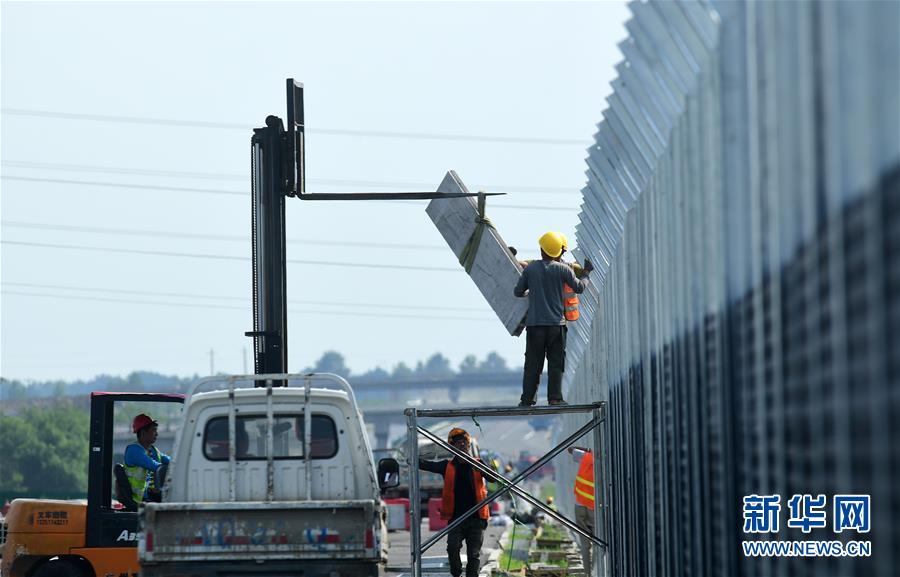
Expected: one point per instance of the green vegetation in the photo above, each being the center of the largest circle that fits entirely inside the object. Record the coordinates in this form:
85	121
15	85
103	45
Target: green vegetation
554	532
510	565
519	540
137	381
44	451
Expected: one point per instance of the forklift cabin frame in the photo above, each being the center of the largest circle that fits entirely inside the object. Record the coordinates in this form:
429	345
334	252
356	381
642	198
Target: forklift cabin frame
601	465
103	524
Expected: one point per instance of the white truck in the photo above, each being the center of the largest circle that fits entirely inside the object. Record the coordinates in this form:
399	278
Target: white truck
269	480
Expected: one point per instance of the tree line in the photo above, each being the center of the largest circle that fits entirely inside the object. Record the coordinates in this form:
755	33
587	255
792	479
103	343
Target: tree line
44	451
435	366
43	445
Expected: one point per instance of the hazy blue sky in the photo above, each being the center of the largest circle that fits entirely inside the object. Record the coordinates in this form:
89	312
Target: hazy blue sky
535	71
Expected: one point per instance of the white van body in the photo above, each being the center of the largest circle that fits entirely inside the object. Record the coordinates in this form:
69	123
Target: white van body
228	499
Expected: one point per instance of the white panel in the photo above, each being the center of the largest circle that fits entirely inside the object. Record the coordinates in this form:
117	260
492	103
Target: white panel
495	270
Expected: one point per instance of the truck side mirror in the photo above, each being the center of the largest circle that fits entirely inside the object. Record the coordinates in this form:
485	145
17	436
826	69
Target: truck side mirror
388	473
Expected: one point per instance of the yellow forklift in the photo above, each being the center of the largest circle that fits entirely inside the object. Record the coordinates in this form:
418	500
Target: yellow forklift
93	538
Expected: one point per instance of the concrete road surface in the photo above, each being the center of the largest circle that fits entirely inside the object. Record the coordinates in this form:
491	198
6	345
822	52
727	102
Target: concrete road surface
435	559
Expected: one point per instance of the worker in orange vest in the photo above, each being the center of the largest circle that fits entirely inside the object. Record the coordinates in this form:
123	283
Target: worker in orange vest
584	500
463	488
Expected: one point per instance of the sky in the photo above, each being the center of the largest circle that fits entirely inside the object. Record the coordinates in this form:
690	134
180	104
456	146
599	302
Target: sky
125	172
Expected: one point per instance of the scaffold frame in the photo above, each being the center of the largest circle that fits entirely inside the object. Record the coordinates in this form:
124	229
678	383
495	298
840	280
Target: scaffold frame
601	466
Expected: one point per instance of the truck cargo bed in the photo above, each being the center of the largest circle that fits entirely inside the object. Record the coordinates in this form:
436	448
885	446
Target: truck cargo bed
183	532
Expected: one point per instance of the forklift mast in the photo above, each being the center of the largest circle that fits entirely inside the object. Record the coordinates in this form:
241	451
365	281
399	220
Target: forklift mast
269	180
278	170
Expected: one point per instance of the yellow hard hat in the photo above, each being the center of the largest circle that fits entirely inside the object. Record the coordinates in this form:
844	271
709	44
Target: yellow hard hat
552	244
565	241
457	432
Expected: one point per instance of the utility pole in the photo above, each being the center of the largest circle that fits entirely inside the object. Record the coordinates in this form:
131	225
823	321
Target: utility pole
245	359
212	362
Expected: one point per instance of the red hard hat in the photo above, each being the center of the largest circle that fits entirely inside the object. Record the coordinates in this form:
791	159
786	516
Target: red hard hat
141	421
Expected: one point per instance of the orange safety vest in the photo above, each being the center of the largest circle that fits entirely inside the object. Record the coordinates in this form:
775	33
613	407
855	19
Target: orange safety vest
447	497
570	303
584	481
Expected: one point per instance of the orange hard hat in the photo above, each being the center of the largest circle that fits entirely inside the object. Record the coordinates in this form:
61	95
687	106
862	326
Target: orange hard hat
142	421
457	432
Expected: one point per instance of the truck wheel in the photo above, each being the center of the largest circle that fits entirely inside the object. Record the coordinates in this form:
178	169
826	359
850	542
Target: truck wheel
58	568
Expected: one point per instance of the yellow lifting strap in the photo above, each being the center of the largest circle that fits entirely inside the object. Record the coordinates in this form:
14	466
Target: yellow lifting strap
467	256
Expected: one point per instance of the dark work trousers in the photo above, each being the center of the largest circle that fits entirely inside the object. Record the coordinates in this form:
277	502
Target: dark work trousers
540	342
472	531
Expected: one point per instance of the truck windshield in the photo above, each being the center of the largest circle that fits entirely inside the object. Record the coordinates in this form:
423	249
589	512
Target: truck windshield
288	431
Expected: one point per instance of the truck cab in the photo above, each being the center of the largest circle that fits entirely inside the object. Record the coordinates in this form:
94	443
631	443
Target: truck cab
269	479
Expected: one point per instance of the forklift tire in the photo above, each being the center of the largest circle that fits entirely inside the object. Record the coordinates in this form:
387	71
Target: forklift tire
58	568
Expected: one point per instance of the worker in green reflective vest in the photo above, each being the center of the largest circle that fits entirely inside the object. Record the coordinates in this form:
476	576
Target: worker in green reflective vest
143	460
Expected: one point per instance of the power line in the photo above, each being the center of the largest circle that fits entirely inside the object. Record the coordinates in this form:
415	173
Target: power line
28	165
329	131
218	237
238	193
226	307
224	257
229	298
123	185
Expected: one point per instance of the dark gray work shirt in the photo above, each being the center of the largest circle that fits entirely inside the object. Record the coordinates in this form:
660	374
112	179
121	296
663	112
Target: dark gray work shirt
543	279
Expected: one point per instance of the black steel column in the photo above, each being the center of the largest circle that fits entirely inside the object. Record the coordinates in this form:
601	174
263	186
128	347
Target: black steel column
269	270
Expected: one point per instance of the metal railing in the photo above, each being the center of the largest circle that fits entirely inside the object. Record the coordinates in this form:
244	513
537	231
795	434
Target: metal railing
601	488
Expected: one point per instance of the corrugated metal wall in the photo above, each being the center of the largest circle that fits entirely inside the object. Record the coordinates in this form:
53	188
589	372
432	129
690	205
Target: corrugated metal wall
743	209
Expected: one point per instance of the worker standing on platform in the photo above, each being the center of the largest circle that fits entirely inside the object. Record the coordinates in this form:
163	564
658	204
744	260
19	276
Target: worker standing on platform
464	487
544	282
584	501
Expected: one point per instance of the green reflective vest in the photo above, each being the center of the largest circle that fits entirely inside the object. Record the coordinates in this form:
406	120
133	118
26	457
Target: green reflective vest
141	479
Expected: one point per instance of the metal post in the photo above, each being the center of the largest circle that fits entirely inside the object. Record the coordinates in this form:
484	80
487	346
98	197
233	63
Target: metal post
415	513
599	504
307	438
232	436
606	503
270	444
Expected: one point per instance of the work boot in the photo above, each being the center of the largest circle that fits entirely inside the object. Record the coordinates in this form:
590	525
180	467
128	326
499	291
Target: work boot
558	403
527	404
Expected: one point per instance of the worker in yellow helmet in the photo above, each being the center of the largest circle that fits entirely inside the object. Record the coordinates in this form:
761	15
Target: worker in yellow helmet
543	283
